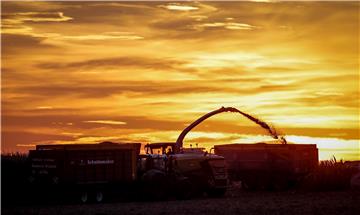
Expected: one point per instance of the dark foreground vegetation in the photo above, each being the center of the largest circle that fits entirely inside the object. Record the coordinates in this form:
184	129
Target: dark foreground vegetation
234	202
325	191
330	175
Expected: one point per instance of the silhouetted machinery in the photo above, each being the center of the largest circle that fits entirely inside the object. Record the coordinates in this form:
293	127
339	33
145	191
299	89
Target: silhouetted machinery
92	170
257	166
264	166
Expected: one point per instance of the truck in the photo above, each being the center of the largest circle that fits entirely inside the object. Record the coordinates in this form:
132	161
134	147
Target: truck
268	166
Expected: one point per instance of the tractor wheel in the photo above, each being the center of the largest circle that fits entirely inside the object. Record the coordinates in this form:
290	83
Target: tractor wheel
280	185
99	196
155	184
216	192
248	185
153	192
184	189
84	197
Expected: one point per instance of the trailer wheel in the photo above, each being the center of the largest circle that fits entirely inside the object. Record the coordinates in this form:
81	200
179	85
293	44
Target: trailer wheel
155	184
216	192
99	196
248	185
84	197
280	185
279	182
184	189
31	179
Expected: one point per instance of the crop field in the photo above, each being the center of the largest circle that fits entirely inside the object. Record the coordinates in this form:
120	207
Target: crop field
235	202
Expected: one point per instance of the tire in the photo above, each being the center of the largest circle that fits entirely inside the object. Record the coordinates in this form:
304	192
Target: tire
248	185
84	197
184	189
216	192
99	197
278	182
254	182
280	185
158	194
155	185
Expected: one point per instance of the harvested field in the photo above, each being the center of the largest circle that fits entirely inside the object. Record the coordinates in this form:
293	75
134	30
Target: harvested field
327	203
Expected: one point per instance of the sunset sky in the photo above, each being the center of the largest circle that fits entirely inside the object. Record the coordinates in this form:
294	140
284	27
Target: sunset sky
76	72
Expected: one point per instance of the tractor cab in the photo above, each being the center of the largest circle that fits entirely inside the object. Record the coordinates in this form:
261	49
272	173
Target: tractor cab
165	148
156	156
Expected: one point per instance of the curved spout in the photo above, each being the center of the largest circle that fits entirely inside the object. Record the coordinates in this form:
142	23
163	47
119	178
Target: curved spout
271	130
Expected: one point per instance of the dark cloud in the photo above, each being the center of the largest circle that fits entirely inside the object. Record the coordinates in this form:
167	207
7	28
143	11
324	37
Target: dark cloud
81	91
61	121
344	133
98	91
13	43
13	138
275	87
19	17
283	12
152	63
40	120
172	88
240	80
275	69
113	13
349	100
334	77
174	24
21	6
7	109
229	139
186	30
290	21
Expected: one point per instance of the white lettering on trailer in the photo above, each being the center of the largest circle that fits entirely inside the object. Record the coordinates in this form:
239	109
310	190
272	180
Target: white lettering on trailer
46	166
94	162
43	159
50	166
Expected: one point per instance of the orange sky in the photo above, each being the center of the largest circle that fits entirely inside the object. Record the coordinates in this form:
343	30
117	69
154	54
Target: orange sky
140	72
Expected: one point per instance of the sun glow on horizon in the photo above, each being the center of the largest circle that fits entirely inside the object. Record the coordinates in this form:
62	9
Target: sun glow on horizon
142	71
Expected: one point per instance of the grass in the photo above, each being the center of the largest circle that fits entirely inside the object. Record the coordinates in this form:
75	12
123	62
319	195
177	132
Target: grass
330	175
14	174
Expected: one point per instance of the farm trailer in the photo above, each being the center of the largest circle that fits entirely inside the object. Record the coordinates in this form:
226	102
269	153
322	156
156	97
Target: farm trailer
84	170
268	166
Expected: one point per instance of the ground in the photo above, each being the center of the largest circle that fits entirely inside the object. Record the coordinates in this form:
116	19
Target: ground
239	202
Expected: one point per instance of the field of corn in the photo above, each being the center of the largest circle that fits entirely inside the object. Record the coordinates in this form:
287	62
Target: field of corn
325	191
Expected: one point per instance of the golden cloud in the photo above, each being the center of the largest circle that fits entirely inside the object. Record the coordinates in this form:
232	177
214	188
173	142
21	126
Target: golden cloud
108	122
179	7
103	36
21	17
226	25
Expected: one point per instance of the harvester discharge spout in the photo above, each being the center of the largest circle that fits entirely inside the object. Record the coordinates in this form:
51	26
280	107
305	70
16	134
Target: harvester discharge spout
271	130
